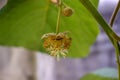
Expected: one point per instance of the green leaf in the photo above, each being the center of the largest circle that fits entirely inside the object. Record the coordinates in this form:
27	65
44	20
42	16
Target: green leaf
102	74
95	2
23	22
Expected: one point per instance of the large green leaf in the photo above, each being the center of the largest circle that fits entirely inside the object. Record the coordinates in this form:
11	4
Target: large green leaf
95	2
23	22
102	74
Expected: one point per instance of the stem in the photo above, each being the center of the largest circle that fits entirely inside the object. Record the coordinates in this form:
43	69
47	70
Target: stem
117	49
99	19
64	4
110	33
59	15
116	43
115	13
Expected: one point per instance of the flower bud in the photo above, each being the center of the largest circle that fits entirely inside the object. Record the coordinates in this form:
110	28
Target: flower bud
67	11
55	1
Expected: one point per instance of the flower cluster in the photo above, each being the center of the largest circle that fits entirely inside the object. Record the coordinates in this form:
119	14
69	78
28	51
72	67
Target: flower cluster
57	44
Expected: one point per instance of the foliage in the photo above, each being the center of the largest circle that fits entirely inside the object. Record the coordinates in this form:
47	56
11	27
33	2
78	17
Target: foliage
101	74
23	22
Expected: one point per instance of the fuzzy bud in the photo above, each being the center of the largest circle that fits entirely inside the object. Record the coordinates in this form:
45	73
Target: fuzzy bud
67	11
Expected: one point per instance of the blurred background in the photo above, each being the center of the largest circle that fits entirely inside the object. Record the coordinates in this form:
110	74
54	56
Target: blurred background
17	63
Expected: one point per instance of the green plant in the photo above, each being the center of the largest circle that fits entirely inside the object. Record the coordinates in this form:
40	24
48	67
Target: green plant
25	26
23	22
110	33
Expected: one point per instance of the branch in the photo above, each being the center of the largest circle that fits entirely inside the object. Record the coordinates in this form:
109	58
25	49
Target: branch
111	34
116	43
100	19
114	14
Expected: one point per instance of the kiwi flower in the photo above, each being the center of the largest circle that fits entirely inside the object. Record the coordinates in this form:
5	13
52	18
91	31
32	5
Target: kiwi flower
57	44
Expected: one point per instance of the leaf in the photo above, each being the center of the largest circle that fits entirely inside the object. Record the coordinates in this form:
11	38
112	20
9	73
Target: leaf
23	22
102	74
95	2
